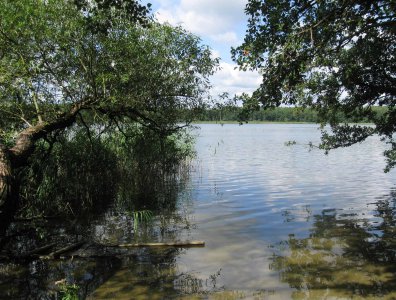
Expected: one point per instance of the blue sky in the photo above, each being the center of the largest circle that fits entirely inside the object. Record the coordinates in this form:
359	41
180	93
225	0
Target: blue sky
221	24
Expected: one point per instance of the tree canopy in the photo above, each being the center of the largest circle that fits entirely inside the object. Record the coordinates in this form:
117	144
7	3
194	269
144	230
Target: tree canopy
99	64
333	56
53	60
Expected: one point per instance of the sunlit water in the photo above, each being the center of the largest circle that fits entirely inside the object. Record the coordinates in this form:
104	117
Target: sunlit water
279	221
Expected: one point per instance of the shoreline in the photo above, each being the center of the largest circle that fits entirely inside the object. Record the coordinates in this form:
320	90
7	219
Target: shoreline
252	122
265	122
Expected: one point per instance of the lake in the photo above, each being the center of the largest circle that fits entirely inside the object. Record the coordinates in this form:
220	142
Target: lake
279	221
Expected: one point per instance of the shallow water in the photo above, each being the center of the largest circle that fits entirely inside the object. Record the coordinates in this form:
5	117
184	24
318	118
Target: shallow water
279	222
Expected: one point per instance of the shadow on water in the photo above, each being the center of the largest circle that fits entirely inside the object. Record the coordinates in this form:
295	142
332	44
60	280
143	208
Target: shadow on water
140	273
156	276
346	255
40	279
101	272
100	216
343	255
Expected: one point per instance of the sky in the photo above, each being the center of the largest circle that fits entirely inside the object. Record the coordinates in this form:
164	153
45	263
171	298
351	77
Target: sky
221	24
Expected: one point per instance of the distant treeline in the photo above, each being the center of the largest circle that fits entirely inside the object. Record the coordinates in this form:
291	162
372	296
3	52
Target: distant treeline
279	114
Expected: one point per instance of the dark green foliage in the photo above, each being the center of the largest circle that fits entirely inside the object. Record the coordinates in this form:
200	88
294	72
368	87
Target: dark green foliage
98	67
77	175
337	57
151	167
99	13
137	169
51	64
278	114
69	291
141	217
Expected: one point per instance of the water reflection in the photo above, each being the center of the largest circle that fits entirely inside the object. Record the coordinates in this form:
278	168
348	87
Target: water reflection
279	222
140	273
36	279
24	276
157	276
345	255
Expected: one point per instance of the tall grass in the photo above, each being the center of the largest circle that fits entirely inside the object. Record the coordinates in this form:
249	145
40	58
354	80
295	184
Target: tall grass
133	167
151	168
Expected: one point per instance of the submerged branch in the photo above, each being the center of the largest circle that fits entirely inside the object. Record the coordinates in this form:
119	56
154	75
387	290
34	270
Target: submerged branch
169	244
56	253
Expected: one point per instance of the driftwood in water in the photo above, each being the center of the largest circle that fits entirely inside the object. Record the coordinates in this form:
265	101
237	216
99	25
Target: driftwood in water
39	250
63	252
168	244
56	253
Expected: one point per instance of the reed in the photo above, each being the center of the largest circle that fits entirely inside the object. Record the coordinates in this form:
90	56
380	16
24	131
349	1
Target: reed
133	168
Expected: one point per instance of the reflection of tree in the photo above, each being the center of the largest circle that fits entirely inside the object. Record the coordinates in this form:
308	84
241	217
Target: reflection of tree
37	279
155	275
344	256
153	272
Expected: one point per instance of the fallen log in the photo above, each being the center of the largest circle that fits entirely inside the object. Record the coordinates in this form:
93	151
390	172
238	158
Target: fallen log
39	250
184	244
56	253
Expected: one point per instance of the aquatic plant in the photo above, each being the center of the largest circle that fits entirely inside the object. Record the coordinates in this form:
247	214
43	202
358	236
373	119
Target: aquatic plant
141	216
69	291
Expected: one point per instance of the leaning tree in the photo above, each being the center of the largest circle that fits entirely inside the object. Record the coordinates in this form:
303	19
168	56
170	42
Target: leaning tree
93	62
338	57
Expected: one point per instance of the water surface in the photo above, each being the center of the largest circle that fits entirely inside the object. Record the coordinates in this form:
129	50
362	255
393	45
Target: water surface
279	222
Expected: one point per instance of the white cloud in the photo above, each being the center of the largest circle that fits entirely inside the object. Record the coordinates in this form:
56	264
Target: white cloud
166	15
233	81
218	23
205	17
229	37
215	53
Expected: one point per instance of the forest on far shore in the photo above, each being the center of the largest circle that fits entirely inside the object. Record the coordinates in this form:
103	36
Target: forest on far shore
278	114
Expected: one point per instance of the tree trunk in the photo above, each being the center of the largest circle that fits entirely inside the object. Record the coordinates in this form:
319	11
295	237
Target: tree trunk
5	172
16	157
9	192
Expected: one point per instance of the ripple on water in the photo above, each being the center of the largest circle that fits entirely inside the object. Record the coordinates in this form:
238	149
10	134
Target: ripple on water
253	196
